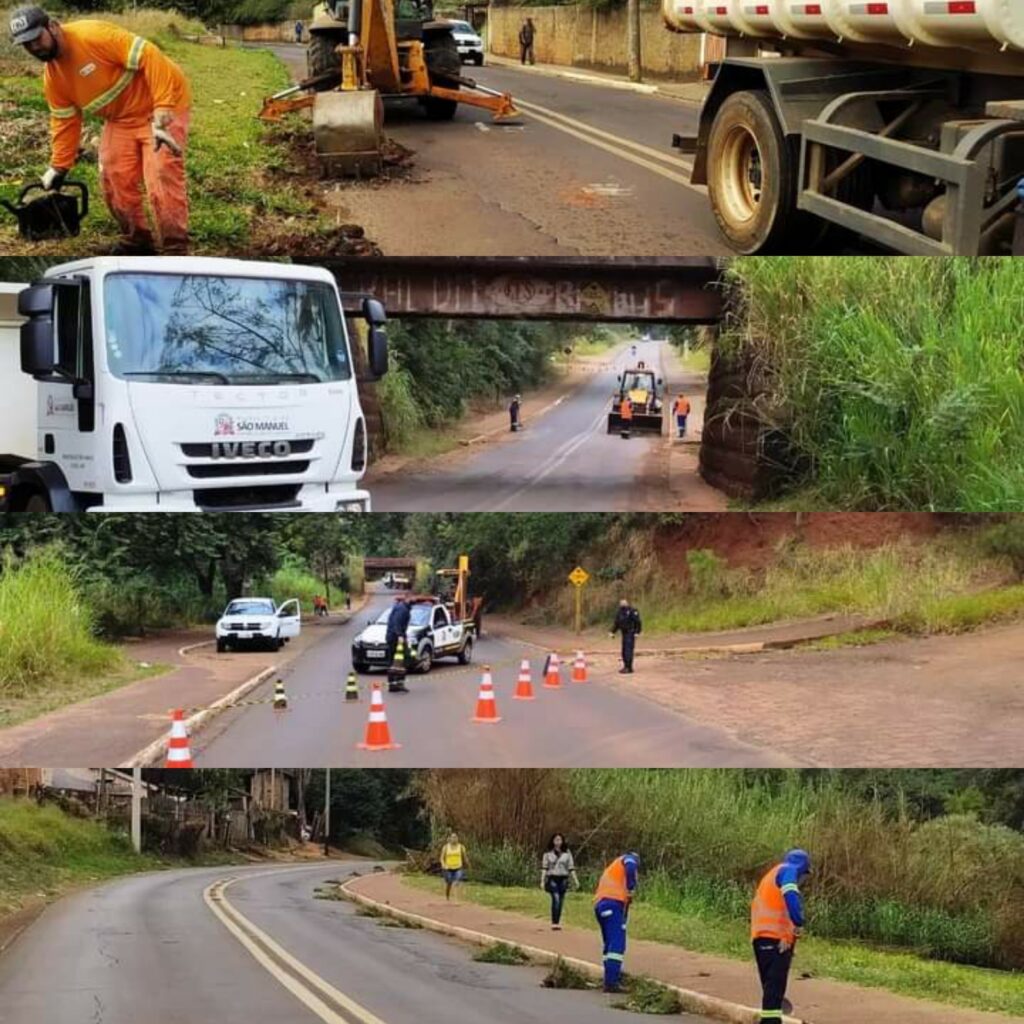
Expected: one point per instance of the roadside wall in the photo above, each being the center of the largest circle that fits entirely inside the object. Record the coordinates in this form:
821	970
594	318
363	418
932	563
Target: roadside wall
578	36
272	32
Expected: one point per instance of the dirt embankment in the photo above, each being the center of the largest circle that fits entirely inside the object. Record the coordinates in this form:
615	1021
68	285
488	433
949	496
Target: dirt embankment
750	540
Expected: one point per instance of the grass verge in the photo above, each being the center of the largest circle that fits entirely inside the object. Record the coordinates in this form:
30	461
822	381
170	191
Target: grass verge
45	852
501	953
700	931
249	194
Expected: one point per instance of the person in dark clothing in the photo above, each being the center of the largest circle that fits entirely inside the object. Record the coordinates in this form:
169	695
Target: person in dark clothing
627	622
298	31
513	413
398	625
526	34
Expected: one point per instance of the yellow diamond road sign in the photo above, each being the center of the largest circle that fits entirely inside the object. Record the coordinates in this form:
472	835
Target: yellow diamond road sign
579	576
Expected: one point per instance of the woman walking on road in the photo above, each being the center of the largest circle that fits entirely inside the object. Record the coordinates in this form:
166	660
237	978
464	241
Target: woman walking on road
556	870
453	863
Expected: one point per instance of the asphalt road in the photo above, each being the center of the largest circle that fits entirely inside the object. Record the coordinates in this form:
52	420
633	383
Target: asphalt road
564	461
591	725
589	171
262	950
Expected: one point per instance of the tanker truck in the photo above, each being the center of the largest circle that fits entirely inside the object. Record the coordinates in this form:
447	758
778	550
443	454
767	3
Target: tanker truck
179	384
899	120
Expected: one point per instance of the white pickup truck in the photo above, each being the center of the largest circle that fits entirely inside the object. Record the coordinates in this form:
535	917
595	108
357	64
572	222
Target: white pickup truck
433	633
258	621
172	384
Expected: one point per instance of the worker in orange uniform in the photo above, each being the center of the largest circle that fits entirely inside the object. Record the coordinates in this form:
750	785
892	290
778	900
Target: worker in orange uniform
626	416
611	908
681	409
776	922
144	98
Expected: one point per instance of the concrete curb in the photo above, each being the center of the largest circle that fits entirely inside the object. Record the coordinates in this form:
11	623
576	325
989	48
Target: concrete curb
693	1002
182	651
151	753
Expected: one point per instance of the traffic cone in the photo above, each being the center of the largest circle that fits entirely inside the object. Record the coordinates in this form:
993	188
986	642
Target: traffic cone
397	670
553	677
378	736
280	697
486	706
351	687
524	687
178	753
579	668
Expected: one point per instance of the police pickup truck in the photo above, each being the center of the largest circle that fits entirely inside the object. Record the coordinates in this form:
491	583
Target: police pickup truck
433	633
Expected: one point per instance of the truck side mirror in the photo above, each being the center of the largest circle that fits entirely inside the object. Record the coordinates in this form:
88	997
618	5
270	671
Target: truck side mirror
376	318
38	357
36	300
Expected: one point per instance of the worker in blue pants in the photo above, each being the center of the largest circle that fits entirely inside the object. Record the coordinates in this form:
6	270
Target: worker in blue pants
611	908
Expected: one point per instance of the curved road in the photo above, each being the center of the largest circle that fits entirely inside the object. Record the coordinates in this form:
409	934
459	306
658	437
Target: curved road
580	725
179	948
562	461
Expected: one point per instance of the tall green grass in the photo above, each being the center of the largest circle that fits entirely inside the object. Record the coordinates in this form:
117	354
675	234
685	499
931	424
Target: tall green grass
948	583
43	851
46	627
897	381
295	581
950	888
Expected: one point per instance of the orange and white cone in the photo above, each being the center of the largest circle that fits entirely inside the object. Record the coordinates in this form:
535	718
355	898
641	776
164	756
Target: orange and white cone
486	705
553	678
178	753
524	685
378	735
579	668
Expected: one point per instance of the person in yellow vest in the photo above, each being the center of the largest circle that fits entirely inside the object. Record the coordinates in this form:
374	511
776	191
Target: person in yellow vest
614	894
776	922
626	416
144	99
453	863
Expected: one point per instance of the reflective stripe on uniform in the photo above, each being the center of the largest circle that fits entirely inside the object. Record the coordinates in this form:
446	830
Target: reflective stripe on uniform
790	887
615	956
135	53
771	1015
112	93
63	113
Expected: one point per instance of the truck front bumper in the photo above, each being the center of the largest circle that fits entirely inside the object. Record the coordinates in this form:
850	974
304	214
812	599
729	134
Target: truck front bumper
311	498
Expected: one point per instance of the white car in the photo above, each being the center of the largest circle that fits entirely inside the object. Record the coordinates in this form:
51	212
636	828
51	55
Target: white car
471	46
259	622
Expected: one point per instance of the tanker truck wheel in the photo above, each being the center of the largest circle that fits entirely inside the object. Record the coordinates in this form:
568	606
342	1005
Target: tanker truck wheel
320	55
752	176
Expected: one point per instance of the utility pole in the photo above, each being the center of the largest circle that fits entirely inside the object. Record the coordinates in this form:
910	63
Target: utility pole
137	809
633	40
327	815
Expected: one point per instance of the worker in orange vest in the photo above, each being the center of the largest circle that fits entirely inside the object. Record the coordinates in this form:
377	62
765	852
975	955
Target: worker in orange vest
776	922
144	99
626	415
611	908
681	410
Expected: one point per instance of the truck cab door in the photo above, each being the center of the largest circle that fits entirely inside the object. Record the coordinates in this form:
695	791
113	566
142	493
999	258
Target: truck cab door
289	619
440	628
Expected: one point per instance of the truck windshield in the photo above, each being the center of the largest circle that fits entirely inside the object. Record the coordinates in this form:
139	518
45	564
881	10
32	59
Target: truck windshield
419	615
199	329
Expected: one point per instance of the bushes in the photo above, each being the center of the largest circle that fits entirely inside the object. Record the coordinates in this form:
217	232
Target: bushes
896	380
943	887
46	628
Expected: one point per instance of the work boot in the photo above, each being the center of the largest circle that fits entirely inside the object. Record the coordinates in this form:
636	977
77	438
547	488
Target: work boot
134	245
612	989
175	246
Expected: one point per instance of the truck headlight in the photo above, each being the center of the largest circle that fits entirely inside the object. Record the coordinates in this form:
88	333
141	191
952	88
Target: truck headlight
350	506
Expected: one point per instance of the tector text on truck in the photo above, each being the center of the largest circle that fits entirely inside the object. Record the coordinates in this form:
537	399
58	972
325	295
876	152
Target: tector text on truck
163	384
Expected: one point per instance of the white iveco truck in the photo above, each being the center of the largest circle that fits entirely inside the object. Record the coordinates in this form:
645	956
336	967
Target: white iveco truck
902	120
177	384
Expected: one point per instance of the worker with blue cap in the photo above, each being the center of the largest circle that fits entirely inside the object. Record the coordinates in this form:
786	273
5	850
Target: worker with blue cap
611	908
776	922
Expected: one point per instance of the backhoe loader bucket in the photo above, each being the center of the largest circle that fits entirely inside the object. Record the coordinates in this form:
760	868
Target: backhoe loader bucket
643	422
348	133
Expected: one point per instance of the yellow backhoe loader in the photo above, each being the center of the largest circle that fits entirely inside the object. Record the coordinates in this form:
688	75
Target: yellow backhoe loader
364	51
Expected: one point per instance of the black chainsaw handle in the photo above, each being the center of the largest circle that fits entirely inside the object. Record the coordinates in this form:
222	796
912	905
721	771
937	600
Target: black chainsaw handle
80	185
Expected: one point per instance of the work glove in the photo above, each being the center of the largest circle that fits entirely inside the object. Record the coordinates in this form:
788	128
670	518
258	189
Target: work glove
53	178
162	120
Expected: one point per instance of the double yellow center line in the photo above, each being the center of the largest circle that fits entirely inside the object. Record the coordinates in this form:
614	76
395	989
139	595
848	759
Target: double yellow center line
668	165
318	995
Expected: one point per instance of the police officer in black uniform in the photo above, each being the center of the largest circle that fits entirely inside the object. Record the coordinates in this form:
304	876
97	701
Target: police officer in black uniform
627	622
